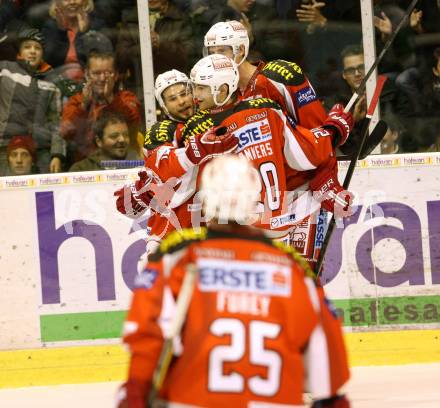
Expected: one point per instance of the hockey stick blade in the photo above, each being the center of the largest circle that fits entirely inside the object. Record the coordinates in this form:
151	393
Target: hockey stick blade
375	138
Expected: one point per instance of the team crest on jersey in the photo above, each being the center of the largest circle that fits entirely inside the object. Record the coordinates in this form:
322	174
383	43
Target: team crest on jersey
253	134
243	276
305	96
146	278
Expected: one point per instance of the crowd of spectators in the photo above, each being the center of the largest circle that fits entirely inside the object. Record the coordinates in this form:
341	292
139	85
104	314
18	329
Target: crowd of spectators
67	64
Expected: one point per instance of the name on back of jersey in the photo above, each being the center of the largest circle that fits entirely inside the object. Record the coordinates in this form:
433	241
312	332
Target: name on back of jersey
216	275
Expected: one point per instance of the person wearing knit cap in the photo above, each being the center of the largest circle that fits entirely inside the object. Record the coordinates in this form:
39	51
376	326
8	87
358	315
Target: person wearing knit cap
31	49
30	104
21	155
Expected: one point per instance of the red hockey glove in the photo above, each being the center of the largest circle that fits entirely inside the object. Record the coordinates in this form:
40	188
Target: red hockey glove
131	395
133	199
335	402
327	190
214	142
340	123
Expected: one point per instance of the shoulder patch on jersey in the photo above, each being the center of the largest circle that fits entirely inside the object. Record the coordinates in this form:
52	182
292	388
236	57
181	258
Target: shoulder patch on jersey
258	103
176	240
197	124
285	72
305	96
146	279
160	133
296	257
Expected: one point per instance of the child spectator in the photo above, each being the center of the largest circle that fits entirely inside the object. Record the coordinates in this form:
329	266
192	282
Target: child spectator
30	105
21	156
113	141
82	110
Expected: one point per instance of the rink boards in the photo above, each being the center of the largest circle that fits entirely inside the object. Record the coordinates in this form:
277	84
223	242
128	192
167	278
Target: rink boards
68	259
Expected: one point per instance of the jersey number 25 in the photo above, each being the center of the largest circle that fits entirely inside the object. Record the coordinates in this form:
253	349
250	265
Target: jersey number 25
258	355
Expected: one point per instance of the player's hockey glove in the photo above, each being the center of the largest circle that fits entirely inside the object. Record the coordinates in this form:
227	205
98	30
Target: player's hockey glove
335	402
340	123
133	199
332	196
131	394
215	142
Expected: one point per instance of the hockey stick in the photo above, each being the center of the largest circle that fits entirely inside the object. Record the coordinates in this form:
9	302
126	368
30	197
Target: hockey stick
166	354
364	131
371	142
361	88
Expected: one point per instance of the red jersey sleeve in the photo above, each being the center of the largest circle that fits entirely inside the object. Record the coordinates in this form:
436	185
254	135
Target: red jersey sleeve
306	149
142	332
286	83
167	161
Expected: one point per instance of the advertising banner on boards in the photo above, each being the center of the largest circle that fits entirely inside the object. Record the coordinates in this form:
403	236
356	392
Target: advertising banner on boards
68	258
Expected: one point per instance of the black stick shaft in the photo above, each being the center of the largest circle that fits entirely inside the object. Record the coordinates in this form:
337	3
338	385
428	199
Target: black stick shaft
361	88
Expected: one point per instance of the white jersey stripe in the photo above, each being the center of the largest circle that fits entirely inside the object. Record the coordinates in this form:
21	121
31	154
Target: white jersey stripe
316	359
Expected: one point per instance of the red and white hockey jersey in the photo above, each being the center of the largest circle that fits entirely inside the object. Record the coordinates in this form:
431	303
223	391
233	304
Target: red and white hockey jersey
257	329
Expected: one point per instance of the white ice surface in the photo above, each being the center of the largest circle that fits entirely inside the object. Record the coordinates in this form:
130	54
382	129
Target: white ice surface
409	386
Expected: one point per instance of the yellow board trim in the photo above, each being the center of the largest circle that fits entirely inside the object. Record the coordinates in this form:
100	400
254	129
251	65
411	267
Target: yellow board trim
393	347
87	364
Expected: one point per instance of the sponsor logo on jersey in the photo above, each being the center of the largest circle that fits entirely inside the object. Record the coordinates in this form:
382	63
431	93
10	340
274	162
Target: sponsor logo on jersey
281	220
253	134
283	68
320	229
146	278
257	116
232	126
244	276
305	96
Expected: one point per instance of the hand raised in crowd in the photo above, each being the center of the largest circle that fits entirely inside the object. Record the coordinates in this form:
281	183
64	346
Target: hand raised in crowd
384	25
360	109
108	94
83	21
311	13
87	93
61	17
155	39
55	165
415	20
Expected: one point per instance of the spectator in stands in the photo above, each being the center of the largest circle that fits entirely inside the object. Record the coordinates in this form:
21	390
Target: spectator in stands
392	102
30	105
422	85
390	144
73	35
113	141
21	156
82	110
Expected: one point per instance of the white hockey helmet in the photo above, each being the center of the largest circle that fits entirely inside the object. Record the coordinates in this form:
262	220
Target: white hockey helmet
165	80
214	71
230	190
230	33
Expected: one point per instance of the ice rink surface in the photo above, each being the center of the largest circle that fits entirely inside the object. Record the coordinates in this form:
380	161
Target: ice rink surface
415	386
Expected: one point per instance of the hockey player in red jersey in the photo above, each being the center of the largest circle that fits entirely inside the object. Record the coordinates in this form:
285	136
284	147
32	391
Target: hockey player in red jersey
282	81
173	93
265	136
256	332
285	83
